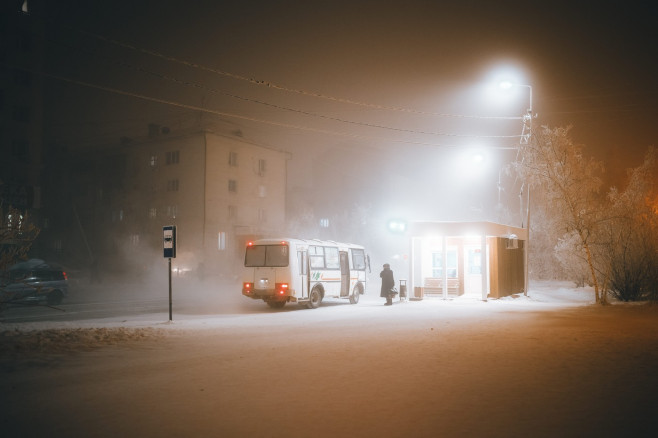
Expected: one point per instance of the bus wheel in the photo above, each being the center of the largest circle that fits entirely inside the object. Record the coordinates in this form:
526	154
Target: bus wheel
354	298
276	304
315	298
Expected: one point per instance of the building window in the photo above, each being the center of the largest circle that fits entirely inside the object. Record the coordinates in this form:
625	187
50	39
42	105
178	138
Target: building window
221	240
232	186
153	161
172	185
231	212
21	114
261	167
173	157
24	42
154	130
134	239
261	215
233	159
324	223
153	212
22	78
262	191
172	211
20	149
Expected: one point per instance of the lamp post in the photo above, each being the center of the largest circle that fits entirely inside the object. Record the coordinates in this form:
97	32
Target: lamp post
526	135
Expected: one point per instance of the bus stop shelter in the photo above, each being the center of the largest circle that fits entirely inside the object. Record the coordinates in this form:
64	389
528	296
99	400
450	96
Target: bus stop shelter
479	259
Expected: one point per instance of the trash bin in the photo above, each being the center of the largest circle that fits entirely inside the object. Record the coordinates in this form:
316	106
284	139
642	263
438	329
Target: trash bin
403	289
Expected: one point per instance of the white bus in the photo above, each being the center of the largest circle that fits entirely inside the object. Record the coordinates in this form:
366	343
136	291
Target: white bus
278	271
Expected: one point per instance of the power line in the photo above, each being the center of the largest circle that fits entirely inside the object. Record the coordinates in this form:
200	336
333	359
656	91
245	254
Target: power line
294	110
253	119
276	86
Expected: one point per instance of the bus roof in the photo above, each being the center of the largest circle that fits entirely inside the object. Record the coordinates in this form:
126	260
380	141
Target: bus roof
303	242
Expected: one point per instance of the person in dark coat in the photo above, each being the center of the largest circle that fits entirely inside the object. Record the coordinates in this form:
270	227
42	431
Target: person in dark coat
388	283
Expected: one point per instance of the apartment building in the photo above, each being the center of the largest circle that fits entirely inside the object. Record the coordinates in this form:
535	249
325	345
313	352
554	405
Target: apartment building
219	190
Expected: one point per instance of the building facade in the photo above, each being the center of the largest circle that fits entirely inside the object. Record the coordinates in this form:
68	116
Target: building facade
21	108
219	192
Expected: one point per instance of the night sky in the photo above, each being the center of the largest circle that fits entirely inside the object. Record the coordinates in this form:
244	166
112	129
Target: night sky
368	77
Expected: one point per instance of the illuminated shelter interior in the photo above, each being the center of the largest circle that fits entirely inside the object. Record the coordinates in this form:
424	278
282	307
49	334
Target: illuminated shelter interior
481	259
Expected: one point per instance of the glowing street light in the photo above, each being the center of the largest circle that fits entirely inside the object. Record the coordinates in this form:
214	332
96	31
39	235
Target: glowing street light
397	226
527	117
526	134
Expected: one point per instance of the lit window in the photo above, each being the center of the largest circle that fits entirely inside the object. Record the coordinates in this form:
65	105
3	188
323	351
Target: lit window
262	191
153	161
153	212
221	240
324	223
134	239
172	211
437	264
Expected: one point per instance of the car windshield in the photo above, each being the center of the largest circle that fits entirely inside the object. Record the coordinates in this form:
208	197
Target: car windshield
266	256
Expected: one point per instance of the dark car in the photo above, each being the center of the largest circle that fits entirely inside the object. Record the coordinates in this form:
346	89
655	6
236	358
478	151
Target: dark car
34	281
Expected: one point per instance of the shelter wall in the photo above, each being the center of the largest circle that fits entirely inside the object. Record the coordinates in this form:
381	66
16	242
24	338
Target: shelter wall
506	273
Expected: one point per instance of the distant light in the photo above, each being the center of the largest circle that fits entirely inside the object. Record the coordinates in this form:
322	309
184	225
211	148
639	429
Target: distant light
397	226
478	158
505	85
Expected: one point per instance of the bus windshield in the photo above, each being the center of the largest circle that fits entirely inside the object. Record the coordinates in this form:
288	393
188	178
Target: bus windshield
273	256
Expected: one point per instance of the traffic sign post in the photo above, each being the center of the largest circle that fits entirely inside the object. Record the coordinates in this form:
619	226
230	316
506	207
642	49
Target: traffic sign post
169	247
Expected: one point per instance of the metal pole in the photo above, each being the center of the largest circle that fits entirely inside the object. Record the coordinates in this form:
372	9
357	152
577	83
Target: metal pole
170	318
527	246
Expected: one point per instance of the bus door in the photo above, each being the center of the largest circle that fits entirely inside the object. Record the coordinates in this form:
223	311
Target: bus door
302	263
344	274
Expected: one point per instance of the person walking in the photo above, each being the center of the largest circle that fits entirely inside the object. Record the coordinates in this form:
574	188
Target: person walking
388	283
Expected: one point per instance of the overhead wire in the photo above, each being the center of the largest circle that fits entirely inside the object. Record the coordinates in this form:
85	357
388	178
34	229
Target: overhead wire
276	86
298	111
260	102
230	115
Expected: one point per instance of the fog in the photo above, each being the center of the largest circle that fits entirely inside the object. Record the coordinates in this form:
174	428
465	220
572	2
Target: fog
381	116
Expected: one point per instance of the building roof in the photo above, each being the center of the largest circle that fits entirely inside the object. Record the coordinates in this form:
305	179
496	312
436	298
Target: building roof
427	228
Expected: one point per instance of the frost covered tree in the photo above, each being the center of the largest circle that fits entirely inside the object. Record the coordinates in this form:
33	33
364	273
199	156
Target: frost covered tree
570	184
632	231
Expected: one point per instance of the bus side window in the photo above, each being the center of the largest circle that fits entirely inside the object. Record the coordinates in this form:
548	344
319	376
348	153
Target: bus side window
332	259
316	253
358	260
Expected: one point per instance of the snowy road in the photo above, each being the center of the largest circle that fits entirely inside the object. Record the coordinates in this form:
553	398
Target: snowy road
461	368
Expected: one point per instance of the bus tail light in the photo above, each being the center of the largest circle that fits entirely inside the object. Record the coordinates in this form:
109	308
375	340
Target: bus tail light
247	287
281	288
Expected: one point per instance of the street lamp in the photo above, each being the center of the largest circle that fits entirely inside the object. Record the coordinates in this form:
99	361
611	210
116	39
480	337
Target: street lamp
526	134
527	117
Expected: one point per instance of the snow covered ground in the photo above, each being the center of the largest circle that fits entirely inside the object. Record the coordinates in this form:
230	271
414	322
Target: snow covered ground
549	364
